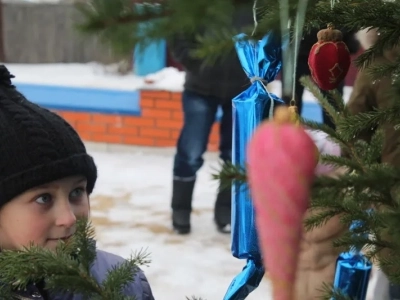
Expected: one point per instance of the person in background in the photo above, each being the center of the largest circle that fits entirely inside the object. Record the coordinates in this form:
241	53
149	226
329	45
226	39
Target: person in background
367	95
206	89
349	38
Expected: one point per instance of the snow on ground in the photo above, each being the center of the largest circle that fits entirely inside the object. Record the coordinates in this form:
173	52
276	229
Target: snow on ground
95	75
130	210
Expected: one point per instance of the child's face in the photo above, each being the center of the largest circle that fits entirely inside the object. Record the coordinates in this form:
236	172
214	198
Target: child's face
44	215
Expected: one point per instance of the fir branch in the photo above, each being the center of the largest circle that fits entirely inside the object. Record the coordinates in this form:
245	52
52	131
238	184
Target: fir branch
332	134
375	147
85	244
79	282
100	14
377	72
124	25
330	293
67	269
217	46
119	276
373	177
230	174
370	199
339	102
6	292
320	218
351	126
31	265
121	17
350	242
307	82
340	161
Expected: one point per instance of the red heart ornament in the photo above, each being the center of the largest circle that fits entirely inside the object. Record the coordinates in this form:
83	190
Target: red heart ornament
329	59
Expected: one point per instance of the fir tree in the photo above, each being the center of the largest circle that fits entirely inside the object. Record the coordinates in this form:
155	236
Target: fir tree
67	269
367	183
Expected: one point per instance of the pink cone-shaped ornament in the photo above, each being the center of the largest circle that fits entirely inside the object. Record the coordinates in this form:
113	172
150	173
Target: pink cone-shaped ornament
281	164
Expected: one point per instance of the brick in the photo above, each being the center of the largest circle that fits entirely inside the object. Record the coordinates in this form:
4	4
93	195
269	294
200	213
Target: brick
177	115
169	124
138	121
212	147
109	119
156	133
175	134
214	138
106	138
174	105
155	94
165	143
214	135
124	130
86	136
147	102
93	128
156	113
215	128
176	96
138	140
73	124
76	116
58	112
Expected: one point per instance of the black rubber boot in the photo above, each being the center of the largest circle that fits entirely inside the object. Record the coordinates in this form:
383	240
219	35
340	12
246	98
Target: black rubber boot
223	209
182	192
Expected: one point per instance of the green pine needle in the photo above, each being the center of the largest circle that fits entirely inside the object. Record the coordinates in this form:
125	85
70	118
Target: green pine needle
67	269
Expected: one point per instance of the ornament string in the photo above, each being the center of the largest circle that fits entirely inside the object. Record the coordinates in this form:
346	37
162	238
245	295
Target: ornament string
255	17
290	56
256	78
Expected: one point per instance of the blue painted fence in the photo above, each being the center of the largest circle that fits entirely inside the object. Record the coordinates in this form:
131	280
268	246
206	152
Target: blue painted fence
107	101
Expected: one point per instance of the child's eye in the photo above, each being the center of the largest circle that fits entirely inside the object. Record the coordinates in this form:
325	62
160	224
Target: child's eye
77	193
44	199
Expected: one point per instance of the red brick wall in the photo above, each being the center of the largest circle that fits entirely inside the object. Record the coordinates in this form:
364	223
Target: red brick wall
159	124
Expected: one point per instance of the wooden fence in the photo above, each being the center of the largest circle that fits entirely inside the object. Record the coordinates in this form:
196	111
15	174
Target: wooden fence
45	33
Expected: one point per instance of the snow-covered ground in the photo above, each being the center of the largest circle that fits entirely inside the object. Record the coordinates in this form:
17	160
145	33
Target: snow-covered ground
94	75
130	210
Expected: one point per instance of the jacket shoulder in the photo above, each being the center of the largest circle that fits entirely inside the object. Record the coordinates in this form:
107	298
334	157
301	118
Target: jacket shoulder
106	261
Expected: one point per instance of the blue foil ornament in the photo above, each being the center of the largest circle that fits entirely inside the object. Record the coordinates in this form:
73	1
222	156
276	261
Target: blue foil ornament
352	271
261	60
352	274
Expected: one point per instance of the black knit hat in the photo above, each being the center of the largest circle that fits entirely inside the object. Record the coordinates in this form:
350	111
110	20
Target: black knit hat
36	145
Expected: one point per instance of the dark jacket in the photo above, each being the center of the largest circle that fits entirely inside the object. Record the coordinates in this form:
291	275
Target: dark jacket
225	79
139	287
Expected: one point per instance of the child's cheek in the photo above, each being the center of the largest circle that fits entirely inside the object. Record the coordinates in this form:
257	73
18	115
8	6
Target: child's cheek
36	233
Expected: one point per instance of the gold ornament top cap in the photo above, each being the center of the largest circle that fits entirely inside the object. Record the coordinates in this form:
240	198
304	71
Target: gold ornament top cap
282	115
330	26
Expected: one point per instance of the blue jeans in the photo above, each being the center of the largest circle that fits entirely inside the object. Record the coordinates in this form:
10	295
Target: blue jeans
199	115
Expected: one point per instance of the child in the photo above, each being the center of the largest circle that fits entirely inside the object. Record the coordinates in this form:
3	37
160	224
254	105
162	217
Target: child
46	178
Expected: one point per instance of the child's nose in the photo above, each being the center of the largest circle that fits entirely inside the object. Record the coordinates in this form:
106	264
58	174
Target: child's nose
66	216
